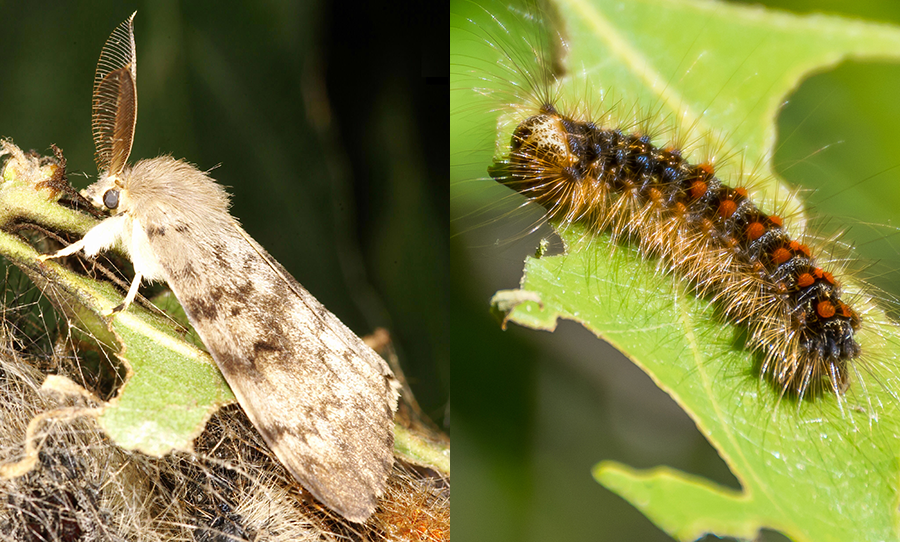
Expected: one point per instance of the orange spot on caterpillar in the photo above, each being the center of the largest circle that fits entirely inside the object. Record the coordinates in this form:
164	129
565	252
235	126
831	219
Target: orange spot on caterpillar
776	220
727	208
741	192
755	231
805	279
825	309
698	189
781	255
707	168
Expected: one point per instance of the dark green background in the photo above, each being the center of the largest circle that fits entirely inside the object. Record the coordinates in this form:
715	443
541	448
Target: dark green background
536	411
324	125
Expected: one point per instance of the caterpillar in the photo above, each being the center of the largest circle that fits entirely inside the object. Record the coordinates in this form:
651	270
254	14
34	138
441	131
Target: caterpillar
710	233
624	179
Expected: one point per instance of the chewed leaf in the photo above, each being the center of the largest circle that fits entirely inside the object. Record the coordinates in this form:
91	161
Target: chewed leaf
173	389
823	469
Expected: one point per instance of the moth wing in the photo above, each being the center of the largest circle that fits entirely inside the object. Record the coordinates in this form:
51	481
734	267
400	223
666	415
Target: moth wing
321	398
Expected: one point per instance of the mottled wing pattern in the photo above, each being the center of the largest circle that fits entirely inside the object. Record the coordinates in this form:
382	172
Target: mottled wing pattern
321	398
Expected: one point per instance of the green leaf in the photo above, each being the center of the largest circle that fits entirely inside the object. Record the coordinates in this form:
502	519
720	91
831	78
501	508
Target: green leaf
815	470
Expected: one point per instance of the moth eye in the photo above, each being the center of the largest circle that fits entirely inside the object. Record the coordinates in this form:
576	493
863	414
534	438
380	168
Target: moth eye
111	199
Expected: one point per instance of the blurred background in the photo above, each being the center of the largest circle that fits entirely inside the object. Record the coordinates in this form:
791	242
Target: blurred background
321	124
535	411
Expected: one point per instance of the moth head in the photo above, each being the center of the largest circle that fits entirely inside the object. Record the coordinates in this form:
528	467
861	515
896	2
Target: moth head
108	193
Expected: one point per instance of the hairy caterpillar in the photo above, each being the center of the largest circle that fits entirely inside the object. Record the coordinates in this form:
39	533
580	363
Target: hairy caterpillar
612	176
584	95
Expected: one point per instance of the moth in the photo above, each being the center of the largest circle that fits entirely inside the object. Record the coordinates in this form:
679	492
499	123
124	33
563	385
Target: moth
321	398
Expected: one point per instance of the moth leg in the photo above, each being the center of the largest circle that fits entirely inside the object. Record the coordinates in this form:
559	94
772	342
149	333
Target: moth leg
132	293
66	251
100	237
